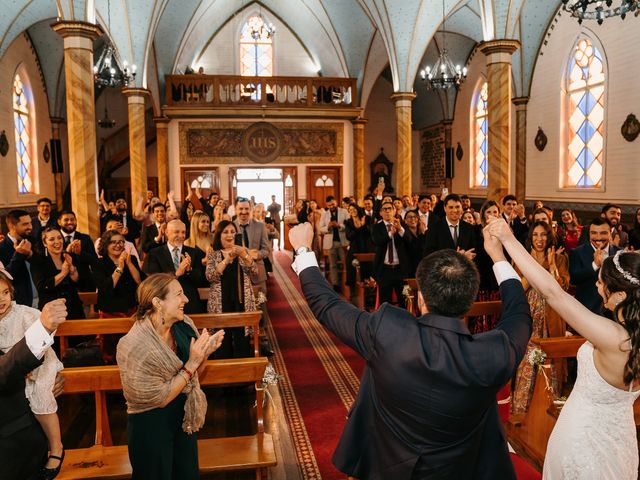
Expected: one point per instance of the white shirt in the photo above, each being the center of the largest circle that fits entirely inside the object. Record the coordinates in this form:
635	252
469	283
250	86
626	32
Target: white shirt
396	261
451	225
605	252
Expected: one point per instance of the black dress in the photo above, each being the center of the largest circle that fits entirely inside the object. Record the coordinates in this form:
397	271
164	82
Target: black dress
359	242
43	272
121	298
158	447
235	344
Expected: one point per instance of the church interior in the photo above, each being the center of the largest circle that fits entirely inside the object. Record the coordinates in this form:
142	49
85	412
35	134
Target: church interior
306	99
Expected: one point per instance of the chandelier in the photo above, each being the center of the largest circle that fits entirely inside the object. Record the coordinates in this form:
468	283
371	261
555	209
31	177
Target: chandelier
106	71
600	9
106	122
444	73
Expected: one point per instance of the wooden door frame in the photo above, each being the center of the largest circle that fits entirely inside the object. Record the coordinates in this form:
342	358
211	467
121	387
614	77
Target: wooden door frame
286	191
338	175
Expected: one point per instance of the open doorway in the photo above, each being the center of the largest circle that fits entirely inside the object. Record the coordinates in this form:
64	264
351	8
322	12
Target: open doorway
261	184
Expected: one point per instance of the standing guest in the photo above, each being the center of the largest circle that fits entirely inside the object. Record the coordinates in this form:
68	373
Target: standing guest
397	204
613	213
358	231
44	218
229	270
634	234
256	239
274	209
585	262
23	444
219	214
82	246
16	253
467	216
129	247
303	213
314	217
514	214
569	230
407	204
450	232
414	238
425	217
546	215
543	250
466	203
390	263
160	360
154	235
55	273
186	213
437	206
131	225
334	240
200	237
182	261
368	204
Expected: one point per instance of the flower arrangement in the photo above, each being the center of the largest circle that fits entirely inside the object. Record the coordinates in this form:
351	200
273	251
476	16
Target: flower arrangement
407	292
536	357
355	263
261	298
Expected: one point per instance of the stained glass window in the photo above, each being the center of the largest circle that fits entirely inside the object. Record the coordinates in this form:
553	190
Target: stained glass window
480	167
256	49
21	111
585	102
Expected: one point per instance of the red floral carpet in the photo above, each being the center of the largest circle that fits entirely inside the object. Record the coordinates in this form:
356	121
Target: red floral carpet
320	376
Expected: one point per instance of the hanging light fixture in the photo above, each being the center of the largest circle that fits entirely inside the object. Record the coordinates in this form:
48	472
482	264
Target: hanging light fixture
106	122
106	71
444	74
600	9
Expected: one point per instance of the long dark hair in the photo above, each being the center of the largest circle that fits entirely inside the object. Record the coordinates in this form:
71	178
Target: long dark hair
217	243
547	229
614	281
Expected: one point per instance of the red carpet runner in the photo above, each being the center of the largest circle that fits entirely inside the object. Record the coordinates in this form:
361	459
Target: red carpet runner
320	376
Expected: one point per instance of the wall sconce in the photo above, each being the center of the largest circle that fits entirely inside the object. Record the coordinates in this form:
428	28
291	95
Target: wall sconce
234	182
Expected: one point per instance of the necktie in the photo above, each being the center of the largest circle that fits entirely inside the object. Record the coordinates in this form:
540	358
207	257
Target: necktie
176	257
455	235
390	246
245	235
67	240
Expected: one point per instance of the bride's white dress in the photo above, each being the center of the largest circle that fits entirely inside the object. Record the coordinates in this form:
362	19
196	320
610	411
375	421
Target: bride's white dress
595	435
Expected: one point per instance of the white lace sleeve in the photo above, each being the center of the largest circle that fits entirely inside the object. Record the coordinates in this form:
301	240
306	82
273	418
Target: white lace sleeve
39	386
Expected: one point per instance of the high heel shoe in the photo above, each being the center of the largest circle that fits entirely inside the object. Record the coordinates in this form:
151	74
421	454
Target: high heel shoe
51	473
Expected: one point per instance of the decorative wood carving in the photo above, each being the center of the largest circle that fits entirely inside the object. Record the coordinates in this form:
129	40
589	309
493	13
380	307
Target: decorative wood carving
4	144
381	167
630	128
46	154
540	140
459	152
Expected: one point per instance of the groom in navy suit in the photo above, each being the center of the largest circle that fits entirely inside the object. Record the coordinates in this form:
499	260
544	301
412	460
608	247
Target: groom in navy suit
426	408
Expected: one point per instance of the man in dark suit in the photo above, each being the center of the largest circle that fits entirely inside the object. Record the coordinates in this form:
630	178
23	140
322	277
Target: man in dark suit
43	219
426	408
15	252
585	262
451	232
185	262
514	214
390	263
82	246
23	445
425	216
154	235
131	226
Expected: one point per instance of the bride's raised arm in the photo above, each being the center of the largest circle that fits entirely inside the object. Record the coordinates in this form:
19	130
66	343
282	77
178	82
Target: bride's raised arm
604	334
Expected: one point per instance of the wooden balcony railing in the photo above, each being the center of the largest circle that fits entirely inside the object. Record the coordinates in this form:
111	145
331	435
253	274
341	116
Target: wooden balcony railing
229	90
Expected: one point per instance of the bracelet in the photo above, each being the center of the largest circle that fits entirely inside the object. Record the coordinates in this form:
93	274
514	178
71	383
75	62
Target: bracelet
118	271
187	371
184	376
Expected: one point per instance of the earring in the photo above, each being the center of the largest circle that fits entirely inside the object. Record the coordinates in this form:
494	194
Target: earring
46	252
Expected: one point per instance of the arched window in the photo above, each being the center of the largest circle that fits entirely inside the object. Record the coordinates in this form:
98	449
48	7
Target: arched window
256	48
22	111
480	139
585	84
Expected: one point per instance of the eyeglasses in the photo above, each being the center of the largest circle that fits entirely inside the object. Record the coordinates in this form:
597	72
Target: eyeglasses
116	242
386	209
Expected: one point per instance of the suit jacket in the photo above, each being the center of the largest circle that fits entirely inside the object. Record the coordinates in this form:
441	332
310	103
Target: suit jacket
439	237
427	395
15	264
14	366
327	240
86	261
520	229
159	260
133	225
584	277
258	240
36	232
380	238
147	239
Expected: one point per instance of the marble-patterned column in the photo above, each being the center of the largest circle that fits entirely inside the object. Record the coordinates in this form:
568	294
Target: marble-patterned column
498	53
358	158
81	120
137	142
162	143
521	146
403	142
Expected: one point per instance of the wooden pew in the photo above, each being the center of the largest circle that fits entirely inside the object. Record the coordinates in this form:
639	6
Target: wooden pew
362	258
103	460
90	302
108	326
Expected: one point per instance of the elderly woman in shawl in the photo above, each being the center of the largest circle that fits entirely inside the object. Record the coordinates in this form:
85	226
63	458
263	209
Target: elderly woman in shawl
160	359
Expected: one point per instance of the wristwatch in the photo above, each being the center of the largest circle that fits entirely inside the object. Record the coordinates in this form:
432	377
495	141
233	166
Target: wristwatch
301	250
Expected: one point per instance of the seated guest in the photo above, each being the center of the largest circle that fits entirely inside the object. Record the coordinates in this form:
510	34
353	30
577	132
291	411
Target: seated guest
154	235
569	230
612	214
357	229
16	253
514	214
229	267
390	263
23	444
129	247
159	369
585	262
81	245
131	225
414	238
55	273
200	237
540	242
450	232
44	218
634	234
185	262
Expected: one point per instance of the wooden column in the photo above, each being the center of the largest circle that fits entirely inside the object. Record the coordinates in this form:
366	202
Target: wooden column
499	79
137	142
358	158
521	146
162	143
403	141
81	120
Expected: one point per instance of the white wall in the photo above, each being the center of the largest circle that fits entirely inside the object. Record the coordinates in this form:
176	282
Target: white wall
19	54
622	159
